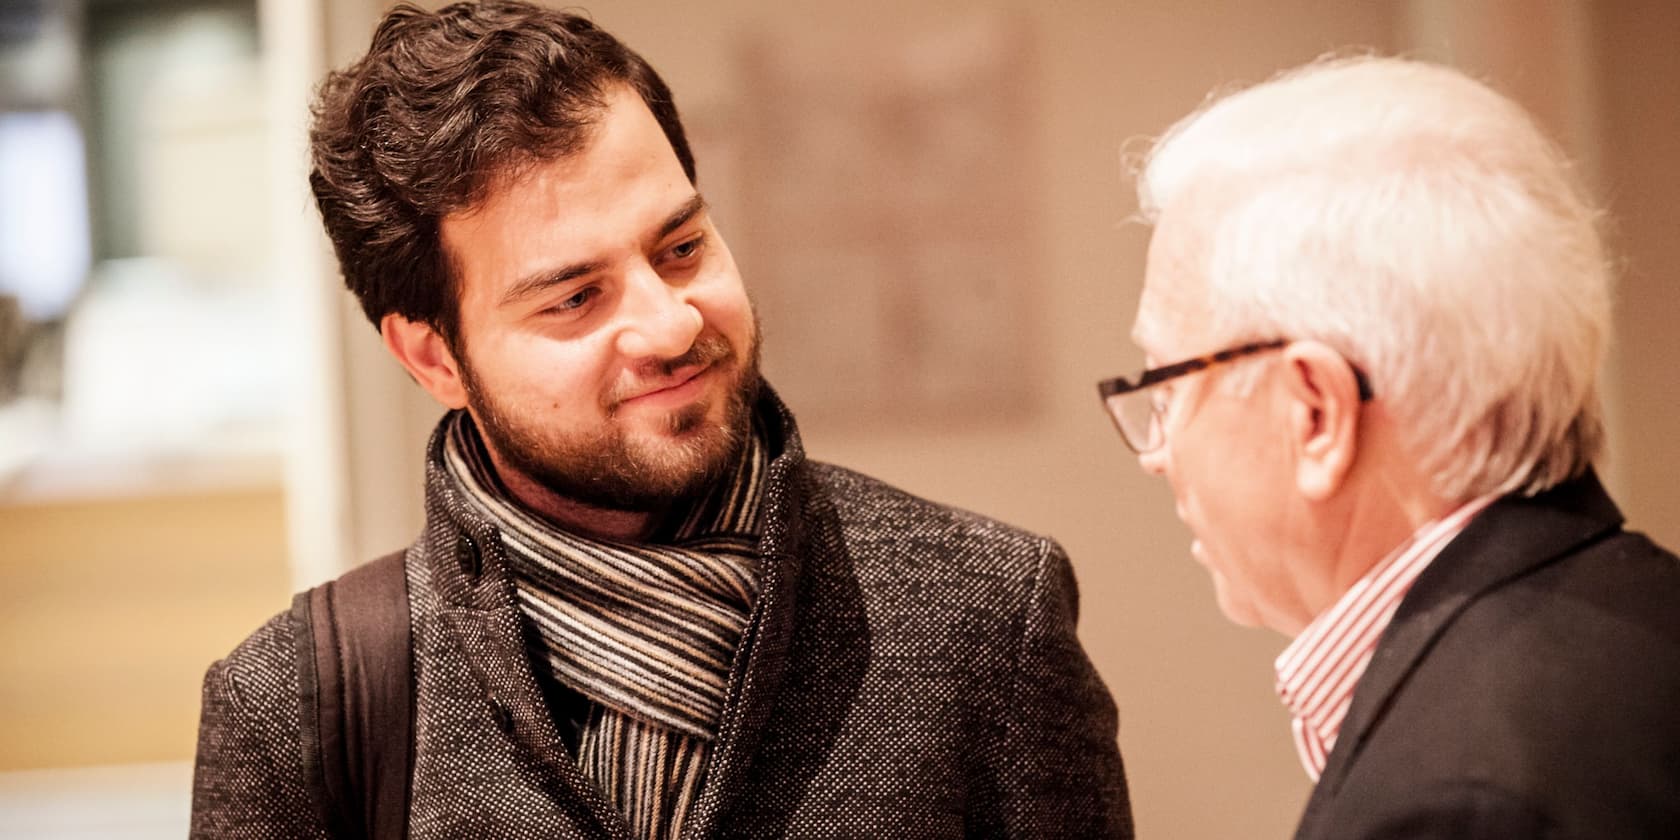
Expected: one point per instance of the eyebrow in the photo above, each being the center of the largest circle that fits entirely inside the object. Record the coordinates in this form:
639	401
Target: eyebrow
1140	336
549	278
535	283
682	215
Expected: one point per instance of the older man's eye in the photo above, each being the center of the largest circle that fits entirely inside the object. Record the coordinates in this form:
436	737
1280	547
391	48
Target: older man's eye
1159	398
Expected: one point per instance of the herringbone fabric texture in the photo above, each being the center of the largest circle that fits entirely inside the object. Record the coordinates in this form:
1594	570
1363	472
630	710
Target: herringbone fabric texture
908	671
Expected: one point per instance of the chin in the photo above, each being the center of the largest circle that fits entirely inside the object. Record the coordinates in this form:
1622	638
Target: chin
1242	615
687	422
1237	610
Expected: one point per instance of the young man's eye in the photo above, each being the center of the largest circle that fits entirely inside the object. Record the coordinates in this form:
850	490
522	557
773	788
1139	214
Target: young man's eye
576	301
686	249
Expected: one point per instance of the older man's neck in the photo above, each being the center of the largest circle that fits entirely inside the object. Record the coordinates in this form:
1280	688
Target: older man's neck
1393	502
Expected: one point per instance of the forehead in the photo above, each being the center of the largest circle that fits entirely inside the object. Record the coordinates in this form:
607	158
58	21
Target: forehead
589	207
1173	299
622	145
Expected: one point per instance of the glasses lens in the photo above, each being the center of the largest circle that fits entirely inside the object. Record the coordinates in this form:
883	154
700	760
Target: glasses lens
1134	413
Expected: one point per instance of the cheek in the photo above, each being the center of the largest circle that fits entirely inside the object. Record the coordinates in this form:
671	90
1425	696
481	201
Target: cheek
1234	602
536	373
726	308
1197	478
1226	509
1228	474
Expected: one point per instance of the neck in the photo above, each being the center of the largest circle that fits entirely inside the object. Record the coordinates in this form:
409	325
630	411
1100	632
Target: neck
572	515
1388	500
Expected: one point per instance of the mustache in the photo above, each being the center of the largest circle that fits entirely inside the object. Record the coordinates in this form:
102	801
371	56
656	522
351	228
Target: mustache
707	350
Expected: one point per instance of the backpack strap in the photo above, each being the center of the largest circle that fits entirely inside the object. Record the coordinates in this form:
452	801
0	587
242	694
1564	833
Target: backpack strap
356	698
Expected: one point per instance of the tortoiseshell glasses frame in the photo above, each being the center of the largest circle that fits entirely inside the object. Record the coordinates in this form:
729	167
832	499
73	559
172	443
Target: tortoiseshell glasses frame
1137	413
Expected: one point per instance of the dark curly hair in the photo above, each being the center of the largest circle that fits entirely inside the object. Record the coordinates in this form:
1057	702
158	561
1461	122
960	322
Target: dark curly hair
442	106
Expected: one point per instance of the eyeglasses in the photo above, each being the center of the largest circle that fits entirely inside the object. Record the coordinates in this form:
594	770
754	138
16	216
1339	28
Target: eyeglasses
1136	407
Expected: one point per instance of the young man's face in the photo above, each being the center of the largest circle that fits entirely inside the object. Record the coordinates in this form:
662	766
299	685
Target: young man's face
608	351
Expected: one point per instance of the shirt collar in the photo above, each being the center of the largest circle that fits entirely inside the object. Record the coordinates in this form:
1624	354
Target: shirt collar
1317	673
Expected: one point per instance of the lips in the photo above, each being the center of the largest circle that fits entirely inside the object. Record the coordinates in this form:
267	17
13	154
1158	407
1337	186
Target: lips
677	381
680	378
668	393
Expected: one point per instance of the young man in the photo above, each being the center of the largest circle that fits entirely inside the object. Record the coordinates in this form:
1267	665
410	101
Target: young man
636	609
1378	305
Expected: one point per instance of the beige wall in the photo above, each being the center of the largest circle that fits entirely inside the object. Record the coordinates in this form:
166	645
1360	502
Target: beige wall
1206	742
110	610
1639	72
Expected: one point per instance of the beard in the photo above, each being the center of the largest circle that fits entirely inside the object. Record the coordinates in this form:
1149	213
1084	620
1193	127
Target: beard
606	467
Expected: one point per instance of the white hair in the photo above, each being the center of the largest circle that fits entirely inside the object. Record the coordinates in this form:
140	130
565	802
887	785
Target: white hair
1422	225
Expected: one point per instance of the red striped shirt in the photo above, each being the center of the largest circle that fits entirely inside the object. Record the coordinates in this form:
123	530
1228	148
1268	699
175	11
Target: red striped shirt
1317	673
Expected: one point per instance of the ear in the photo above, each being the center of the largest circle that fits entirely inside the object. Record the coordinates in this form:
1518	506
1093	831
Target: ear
1323	416
427	358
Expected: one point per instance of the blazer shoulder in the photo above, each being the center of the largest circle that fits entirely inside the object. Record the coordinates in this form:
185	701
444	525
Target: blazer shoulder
248	776
1642	556
258	678
1555	689
898	542
1617	595
870	506
1596	618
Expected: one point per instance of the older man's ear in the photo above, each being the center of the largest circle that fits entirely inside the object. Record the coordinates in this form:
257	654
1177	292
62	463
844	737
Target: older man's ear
1323	416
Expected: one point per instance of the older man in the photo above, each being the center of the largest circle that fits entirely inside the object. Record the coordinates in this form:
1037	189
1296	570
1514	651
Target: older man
1382	304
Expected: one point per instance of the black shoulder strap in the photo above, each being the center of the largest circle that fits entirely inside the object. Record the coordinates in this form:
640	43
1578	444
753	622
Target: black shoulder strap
356	700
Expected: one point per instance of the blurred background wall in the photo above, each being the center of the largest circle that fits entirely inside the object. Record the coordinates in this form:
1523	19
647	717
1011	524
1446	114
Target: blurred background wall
929	204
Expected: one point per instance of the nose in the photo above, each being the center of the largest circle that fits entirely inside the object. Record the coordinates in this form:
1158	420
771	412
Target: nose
1154	461
657	319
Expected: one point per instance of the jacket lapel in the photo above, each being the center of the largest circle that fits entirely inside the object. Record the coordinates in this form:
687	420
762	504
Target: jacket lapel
1512	537
755	676
469	573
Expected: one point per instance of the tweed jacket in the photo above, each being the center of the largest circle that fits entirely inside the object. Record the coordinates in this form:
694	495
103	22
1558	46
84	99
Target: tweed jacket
909	671
1528	686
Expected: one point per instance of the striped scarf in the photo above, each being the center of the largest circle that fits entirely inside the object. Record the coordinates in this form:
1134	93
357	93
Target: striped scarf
645	631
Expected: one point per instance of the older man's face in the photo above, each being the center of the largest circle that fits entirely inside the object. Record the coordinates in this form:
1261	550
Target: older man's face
1225	454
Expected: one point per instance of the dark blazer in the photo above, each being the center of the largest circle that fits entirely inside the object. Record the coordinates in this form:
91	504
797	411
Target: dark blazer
909	671
1528	687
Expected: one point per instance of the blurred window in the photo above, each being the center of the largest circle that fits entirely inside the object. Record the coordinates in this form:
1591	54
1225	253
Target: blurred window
43	212
144	367
138	314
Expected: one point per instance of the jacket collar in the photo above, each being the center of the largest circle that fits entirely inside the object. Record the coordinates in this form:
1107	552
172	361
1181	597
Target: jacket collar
1512	537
